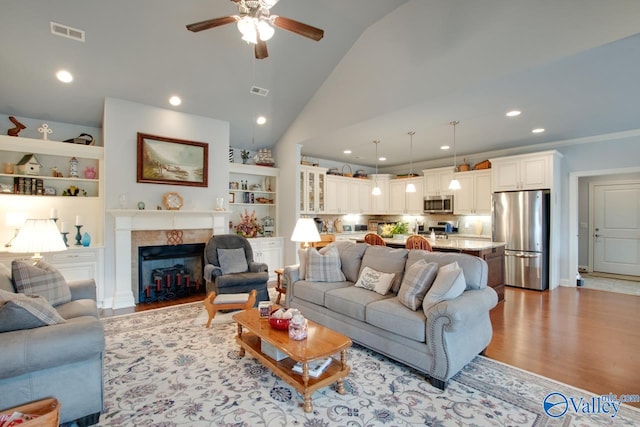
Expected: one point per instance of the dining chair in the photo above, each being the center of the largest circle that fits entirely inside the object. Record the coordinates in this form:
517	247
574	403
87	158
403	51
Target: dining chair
417	241
374	239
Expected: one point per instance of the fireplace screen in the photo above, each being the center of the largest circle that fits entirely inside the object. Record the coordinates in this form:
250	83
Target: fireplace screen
170	272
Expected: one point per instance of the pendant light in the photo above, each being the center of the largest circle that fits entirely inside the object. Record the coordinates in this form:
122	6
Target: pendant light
376	189
454	184
411	188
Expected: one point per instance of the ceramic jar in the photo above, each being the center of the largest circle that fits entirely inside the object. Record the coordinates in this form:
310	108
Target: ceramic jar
298	327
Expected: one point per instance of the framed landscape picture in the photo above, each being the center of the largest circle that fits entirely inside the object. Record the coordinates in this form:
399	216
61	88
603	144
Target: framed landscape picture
163	160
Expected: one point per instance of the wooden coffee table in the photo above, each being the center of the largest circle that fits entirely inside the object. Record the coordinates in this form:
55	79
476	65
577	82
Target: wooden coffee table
321	342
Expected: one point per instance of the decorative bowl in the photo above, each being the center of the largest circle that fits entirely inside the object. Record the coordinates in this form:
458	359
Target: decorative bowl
276	323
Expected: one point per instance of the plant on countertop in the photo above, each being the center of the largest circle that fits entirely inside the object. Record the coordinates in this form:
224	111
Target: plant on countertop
400	228
249	225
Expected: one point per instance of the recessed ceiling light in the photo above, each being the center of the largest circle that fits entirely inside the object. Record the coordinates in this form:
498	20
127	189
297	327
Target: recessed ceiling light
513	113
382	159
64	76
538	130
444	147
347	151
261	120
175	100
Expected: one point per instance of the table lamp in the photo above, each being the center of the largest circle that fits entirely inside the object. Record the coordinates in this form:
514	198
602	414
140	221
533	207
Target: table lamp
14	220
305	231
38	236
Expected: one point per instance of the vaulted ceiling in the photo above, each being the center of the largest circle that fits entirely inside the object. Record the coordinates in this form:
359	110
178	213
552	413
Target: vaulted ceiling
384	67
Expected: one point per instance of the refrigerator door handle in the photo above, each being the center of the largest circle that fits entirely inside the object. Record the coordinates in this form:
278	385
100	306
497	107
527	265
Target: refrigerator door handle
522	254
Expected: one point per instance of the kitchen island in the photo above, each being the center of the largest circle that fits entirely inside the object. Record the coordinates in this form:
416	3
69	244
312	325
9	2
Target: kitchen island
491	252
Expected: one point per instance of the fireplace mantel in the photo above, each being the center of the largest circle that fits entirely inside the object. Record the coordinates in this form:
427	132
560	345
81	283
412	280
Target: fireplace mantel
128	220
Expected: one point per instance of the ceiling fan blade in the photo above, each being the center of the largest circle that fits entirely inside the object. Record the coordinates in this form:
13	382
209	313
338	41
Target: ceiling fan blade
298	27
260	49
211	23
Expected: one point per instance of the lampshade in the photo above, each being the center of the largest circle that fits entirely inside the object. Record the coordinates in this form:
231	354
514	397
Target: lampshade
305	231
454	184
38	235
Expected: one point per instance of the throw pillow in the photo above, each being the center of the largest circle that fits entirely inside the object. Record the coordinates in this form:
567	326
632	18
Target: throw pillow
232	261
351	254
416	282
376	281
303	255
20	311
41	279
324	267
388	260
450	283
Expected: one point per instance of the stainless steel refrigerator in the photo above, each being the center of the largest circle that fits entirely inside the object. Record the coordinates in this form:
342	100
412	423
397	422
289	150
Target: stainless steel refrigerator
521	219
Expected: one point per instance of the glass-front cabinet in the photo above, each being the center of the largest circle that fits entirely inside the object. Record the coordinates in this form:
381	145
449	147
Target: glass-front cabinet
312	189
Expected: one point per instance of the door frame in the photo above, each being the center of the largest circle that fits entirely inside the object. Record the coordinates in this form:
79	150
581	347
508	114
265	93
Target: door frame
574	212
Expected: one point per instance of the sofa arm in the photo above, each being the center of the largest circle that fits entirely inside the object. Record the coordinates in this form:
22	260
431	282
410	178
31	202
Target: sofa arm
82	289
211	272
463	310
258	267
31	350
290	275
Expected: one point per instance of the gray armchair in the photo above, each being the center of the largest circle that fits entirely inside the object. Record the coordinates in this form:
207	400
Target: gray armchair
230	268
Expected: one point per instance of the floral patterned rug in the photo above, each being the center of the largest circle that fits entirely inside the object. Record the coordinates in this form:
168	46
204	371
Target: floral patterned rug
164	368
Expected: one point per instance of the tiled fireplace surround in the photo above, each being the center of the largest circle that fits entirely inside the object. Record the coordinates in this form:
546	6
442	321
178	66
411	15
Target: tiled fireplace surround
135	228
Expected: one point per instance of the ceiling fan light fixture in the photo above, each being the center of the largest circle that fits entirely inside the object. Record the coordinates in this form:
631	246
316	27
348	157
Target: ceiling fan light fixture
265	30
247	27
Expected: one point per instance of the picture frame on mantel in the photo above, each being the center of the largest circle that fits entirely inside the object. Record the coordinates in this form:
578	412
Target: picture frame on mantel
163	160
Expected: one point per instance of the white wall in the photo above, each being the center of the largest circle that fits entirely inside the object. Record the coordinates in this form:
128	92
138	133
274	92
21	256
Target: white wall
122	121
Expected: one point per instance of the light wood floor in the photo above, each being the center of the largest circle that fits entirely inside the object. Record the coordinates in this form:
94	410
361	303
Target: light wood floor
583	337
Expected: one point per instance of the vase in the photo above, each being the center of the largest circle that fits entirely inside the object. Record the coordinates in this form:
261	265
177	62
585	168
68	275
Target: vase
86	239
90	172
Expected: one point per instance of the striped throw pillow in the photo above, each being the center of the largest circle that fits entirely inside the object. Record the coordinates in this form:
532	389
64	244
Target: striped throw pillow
417	280
41	279
324	267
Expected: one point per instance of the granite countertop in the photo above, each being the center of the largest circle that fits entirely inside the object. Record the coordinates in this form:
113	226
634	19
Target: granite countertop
454	244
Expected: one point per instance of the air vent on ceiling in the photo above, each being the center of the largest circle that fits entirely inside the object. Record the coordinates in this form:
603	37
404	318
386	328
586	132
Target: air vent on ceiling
259	91
67	31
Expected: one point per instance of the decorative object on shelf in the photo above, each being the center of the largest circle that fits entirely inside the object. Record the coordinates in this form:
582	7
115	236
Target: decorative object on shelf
244	155
78	235
232	197
74	191
219	203
233	185
84	139
37	236
464	167
73	168
45	130
268	226
28	165
190	164
90	172
249	225
8	168
16	130
231	160
485	164
64	238
360	173
348	174
172	201
141	206
454	184
264	157
86	239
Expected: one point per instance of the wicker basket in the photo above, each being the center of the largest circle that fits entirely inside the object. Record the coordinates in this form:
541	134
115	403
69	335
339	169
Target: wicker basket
486	164
350	171
48	411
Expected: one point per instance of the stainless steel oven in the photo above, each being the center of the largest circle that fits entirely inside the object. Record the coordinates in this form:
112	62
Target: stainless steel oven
438	204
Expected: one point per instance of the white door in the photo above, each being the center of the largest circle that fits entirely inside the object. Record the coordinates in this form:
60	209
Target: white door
616	243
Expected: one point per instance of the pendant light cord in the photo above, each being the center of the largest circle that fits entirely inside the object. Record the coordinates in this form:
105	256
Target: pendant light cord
411	133
454	123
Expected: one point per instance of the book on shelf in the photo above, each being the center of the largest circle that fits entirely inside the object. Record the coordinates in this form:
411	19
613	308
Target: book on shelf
316	367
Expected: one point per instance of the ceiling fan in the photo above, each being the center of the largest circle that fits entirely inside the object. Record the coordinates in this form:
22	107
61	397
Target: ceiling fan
256	22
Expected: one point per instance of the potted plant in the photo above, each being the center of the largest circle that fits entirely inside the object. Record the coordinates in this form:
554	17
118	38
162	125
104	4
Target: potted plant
400	230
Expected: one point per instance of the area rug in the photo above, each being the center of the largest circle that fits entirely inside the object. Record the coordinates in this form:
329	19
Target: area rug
161	369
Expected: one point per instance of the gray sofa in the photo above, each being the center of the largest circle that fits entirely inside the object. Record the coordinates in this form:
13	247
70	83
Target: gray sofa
438	341
62	360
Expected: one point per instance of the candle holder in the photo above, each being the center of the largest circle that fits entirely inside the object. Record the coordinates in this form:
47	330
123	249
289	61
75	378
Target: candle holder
78	236
64	238
54	219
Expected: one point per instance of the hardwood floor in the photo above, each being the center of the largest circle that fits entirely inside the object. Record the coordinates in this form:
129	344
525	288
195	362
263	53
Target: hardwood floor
583	337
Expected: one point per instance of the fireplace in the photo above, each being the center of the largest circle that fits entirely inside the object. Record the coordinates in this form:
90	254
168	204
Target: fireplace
169	272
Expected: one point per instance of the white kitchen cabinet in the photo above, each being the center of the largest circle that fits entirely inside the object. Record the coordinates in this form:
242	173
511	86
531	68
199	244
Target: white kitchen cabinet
269	251
401	202
436	181
312	189
474	195
525	172
360	199
347	195
380	203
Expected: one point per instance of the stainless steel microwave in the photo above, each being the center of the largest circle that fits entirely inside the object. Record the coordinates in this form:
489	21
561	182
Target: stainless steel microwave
438	204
